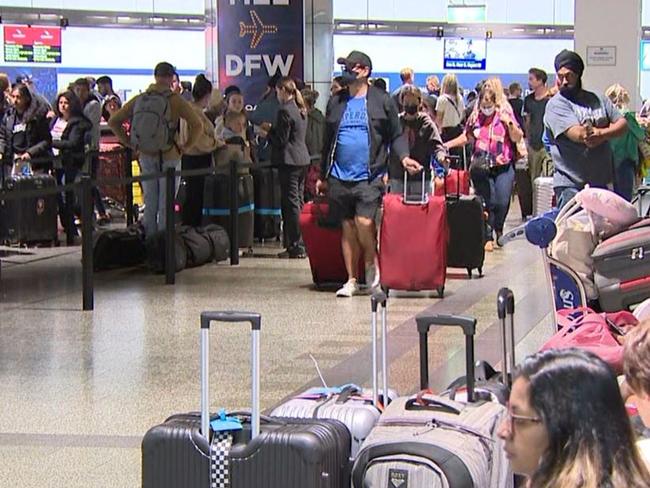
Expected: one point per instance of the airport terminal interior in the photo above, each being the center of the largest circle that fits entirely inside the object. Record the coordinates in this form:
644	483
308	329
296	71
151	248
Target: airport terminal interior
90	361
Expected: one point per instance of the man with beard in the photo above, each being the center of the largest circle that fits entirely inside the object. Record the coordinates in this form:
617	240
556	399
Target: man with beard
579	123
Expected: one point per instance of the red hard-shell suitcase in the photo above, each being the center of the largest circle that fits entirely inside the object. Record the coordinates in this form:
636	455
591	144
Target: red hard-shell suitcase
413	243
269	452
322	240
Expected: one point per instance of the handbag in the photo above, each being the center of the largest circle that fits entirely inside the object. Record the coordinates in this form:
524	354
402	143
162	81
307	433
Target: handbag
585	329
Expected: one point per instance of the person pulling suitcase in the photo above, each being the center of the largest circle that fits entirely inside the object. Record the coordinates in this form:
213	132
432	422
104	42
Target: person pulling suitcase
362	125
422	137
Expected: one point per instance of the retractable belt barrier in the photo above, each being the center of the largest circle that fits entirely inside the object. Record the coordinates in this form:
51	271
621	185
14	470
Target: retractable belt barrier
84	187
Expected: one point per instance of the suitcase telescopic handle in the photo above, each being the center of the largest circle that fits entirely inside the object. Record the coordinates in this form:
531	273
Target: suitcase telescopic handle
506	307
379	298
457	159
255	320
467	324
424	197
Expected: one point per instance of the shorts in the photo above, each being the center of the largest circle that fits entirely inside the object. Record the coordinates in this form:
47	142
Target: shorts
350	199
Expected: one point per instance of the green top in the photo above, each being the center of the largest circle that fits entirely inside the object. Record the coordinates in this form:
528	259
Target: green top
627	146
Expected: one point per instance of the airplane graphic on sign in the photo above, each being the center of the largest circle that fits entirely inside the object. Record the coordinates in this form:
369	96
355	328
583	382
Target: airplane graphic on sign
257	29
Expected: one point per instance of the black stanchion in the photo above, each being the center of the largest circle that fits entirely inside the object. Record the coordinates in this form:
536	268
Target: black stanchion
87	243
170	248
128	155
234	214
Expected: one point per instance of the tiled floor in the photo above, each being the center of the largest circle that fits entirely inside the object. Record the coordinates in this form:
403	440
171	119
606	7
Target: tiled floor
79	389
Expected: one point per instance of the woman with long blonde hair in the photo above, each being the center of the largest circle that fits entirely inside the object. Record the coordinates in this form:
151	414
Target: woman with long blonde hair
567	426
450	111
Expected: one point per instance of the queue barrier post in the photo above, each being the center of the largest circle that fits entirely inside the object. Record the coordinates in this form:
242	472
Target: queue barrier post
87	265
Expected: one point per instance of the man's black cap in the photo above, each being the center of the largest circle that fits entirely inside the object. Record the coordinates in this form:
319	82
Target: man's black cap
164	69
356	57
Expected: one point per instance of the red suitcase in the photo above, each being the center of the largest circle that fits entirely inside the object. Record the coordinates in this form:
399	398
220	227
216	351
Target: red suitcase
456	182
413	243
323	244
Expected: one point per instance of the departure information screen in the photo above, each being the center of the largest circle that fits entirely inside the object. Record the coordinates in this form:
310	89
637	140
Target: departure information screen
29	44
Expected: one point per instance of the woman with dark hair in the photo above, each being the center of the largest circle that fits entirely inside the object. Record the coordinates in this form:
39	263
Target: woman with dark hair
567	426
421	136
289	153
70	132
25	131
199	155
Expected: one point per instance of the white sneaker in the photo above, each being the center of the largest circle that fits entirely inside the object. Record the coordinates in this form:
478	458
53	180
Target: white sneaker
372	276
350	289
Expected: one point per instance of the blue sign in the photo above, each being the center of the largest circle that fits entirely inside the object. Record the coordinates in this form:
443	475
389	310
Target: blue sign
465	54
566	290
645	55
256	40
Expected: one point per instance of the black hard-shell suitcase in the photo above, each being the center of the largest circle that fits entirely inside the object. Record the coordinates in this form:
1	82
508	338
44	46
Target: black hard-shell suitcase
31	219
283	453
216	205
268	209
466	233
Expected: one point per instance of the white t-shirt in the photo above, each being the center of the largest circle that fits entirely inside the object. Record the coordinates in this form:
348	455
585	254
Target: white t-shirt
451	110
57	131
644	449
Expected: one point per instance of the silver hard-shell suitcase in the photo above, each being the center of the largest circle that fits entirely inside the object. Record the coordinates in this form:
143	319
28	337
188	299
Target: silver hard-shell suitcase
358	408
429	440
542	195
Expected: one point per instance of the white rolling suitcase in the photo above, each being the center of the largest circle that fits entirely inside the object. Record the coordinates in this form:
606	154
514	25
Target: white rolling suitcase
359	409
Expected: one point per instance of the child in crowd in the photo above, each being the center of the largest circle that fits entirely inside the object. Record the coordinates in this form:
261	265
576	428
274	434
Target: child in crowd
233	143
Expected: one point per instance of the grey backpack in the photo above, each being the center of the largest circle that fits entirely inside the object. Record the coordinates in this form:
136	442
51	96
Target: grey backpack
152	129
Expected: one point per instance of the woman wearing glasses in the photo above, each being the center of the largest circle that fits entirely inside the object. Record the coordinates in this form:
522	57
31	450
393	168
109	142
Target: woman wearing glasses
567	425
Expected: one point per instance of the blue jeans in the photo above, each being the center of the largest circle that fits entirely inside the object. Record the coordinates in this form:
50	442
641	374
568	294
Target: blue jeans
563	194
624	176
155	196
495	189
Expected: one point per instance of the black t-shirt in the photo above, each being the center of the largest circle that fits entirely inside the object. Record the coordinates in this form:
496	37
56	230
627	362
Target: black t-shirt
535	110
517	105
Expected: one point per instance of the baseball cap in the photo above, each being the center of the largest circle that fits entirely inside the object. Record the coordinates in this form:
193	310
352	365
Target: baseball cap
356	57
164	69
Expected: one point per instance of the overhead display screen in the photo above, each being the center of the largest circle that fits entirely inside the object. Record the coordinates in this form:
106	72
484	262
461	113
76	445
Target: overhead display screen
465	54
29	44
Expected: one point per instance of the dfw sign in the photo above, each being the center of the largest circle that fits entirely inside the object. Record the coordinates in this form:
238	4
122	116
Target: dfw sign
257	30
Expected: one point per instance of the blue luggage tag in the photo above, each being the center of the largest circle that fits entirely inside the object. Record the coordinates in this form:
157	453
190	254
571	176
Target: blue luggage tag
333	390
224	423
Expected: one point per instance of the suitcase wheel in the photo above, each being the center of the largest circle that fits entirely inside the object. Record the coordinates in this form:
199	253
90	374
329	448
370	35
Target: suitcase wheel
441	292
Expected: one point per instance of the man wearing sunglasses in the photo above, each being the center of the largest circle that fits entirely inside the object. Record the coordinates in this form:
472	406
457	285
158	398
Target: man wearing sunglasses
579	123
362	127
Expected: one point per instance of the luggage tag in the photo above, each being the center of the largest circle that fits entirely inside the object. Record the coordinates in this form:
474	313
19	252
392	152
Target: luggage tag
223	423
330	390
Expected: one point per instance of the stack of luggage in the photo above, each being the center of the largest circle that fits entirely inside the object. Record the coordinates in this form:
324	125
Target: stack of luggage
342	436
